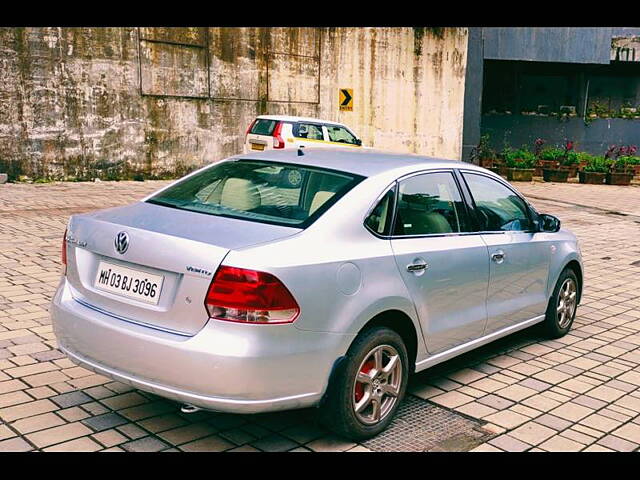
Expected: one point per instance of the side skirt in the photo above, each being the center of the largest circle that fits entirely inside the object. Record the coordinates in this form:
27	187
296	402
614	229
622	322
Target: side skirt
478	342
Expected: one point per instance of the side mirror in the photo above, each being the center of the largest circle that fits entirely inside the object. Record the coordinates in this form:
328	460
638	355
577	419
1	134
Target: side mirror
548	223
358	142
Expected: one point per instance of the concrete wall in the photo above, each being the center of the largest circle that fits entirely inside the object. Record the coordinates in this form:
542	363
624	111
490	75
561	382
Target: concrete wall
112	102
548	44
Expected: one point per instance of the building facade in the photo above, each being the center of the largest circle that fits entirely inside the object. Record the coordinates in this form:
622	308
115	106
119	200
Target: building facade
116	102
558	84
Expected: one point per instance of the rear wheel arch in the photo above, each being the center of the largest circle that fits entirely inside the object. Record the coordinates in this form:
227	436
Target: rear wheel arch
401	323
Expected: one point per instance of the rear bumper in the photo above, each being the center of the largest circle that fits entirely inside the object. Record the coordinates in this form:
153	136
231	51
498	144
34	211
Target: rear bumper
226	367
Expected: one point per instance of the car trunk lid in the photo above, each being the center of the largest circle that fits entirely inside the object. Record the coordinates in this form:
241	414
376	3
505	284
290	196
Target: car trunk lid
178	251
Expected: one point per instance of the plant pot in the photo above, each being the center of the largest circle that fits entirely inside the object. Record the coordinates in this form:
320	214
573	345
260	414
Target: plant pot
520	174
618	178
550	175
572	169
636	169
487	162
595	178
549	164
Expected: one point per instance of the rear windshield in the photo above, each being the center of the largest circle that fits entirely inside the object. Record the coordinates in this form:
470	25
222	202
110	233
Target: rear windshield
263	127
260	191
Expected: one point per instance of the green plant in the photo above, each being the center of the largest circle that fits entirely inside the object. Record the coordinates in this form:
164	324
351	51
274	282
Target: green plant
625	163
484	150
520	158
598	164
574	158
599	109
552	154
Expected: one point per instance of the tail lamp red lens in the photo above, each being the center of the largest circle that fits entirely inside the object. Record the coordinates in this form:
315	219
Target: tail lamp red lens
250	127
249	296
278	141
64	251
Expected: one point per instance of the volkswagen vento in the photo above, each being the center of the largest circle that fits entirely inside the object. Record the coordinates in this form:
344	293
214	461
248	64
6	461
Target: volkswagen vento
234	290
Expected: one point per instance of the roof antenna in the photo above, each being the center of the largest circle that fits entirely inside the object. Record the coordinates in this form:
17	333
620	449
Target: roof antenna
300	151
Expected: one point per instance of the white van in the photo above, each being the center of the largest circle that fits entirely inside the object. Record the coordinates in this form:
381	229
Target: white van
268	132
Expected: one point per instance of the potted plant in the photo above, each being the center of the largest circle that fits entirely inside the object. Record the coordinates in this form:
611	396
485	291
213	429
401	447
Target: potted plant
570	161
486	155
634	163
549	158
520	165
595	171
555	175
620	172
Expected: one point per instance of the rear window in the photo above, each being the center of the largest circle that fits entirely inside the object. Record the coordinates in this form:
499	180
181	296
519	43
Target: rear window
260	191
263	127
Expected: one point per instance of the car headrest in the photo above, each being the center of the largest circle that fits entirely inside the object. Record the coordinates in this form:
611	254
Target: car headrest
240	194
319	199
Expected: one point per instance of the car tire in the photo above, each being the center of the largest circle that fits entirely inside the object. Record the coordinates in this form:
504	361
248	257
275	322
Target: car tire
344	393
563	304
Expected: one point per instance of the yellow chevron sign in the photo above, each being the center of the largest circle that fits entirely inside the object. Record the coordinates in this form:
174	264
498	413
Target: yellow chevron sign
345	99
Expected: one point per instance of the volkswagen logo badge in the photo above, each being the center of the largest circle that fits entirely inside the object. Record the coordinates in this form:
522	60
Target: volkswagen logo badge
122	242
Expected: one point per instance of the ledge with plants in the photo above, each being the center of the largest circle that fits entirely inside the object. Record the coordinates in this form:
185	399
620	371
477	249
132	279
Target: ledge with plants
520	164
595	171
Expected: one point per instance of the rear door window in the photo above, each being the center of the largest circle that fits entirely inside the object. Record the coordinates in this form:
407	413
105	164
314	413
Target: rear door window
263	127
260	191
429	204
309	131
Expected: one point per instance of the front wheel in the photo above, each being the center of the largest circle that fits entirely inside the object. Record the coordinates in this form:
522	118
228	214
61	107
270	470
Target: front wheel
562	306
366	391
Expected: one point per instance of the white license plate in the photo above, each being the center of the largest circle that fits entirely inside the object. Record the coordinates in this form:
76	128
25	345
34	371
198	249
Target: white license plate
129	283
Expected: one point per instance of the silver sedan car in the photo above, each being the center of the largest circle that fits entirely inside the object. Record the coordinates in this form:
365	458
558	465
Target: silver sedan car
291	279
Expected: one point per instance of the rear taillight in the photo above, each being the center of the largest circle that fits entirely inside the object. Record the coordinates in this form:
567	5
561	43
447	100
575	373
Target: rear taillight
278	142
64	251
250	127
241	295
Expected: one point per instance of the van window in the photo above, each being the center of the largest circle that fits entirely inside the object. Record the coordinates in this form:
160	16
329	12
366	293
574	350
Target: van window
341	135
308	130
263	127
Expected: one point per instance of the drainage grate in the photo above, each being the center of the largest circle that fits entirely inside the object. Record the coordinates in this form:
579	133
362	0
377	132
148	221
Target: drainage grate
420	426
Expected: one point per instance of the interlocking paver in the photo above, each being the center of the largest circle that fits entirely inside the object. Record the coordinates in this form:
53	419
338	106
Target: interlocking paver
60	434
16	444
146	444
561	444
71	399
211	444
532	433
104	422
580	389
39	422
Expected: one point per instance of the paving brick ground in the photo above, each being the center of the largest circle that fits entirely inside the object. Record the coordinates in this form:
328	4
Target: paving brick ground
581	392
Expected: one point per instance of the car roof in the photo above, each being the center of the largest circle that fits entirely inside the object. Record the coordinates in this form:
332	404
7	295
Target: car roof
365	162
287	118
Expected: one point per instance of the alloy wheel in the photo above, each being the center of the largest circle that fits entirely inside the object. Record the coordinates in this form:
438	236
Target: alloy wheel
566	302
377	384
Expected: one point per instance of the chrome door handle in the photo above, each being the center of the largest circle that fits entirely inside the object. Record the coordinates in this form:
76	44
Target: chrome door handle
498	256
417	267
